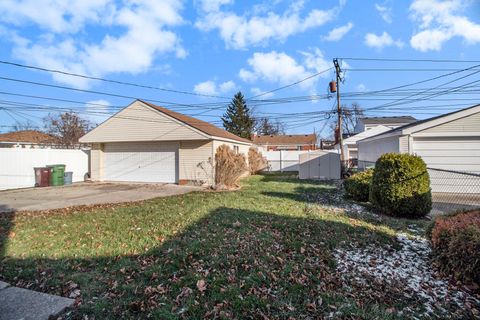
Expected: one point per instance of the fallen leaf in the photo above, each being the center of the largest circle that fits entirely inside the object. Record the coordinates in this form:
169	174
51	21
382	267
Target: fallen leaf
201	285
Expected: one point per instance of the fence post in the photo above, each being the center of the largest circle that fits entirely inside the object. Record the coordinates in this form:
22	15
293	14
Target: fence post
281	164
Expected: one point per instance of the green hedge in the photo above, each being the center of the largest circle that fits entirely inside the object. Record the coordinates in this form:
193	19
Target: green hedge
357	186
401	186
456	245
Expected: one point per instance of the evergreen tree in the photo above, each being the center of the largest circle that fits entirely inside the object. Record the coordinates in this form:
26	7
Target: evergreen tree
238	118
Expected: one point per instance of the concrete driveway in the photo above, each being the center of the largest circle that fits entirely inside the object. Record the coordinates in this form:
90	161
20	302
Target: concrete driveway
85	194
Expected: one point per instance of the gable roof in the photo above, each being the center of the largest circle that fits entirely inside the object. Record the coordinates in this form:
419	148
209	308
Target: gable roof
198	124
429	122
28	136
388	120
365	134
286	139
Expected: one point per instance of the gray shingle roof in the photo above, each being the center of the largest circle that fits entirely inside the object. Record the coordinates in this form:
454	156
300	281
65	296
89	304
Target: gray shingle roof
388	120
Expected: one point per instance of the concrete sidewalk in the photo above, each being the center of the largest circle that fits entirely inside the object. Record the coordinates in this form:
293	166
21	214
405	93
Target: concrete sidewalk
17	303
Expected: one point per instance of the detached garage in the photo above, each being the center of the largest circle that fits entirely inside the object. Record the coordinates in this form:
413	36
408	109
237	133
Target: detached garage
149	143
449	142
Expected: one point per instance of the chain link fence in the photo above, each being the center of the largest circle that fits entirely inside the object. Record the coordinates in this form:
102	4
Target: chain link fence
452	190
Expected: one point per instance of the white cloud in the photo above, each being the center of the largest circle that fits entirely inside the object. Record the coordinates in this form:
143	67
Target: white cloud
146	36
257	91
97	111
361	87
210	87
207	87
280	68
241	31
385	12
381	41
56	15
213	5
227	86
440	21
338	33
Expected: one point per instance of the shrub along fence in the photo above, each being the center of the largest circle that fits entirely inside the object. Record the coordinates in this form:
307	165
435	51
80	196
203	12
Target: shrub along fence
451	190
401	186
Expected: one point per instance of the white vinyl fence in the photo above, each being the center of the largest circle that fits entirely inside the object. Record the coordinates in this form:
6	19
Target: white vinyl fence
284	160
16	165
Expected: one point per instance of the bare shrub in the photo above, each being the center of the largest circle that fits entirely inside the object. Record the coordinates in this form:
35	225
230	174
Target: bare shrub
256	161
229	167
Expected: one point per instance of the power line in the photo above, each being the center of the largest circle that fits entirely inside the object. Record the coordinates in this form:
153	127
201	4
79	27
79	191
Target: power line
45	108
99	92
402	69
108	80
291	84
411	60
399	101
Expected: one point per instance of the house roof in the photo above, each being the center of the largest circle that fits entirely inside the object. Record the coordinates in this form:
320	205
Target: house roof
28	136
286	139
419	124
198	124
388	120
365	134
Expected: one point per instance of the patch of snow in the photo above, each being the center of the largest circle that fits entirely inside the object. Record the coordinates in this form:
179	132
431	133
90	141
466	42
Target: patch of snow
410	266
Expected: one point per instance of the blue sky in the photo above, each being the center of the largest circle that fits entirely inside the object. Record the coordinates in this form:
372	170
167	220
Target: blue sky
217	47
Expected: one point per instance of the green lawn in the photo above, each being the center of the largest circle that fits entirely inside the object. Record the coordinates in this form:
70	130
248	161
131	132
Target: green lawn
265	251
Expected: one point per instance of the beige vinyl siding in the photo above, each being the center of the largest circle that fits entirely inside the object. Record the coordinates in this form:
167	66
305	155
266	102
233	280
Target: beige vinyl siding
138	122
96	162
450	153
373	149
469	125
196	161
242	148
403	144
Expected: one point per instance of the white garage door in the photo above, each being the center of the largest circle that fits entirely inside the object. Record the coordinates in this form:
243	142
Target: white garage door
455	154
141	161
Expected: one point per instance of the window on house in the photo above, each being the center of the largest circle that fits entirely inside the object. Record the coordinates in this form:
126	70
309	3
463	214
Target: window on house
236	149
299	148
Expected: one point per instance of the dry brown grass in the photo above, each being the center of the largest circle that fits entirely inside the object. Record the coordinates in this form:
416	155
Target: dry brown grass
256	161
229	167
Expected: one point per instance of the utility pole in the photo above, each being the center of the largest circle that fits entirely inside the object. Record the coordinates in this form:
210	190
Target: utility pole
339	109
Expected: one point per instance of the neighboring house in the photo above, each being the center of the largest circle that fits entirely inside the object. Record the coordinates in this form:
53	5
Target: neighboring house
286	142
450	142
364	124
147	143
27	139
350	147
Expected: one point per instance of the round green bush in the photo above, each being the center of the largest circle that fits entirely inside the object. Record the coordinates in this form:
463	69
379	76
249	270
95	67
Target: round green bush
401	186
357	186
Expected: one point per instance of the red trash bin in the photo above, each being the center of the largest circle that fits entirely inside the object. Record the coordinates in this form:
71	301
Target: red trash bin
42	177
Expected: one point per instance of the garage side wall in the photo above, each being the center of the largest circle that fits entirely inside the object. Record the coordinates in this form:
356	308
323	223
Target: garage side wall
370	151
96	162
242	149
196	162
